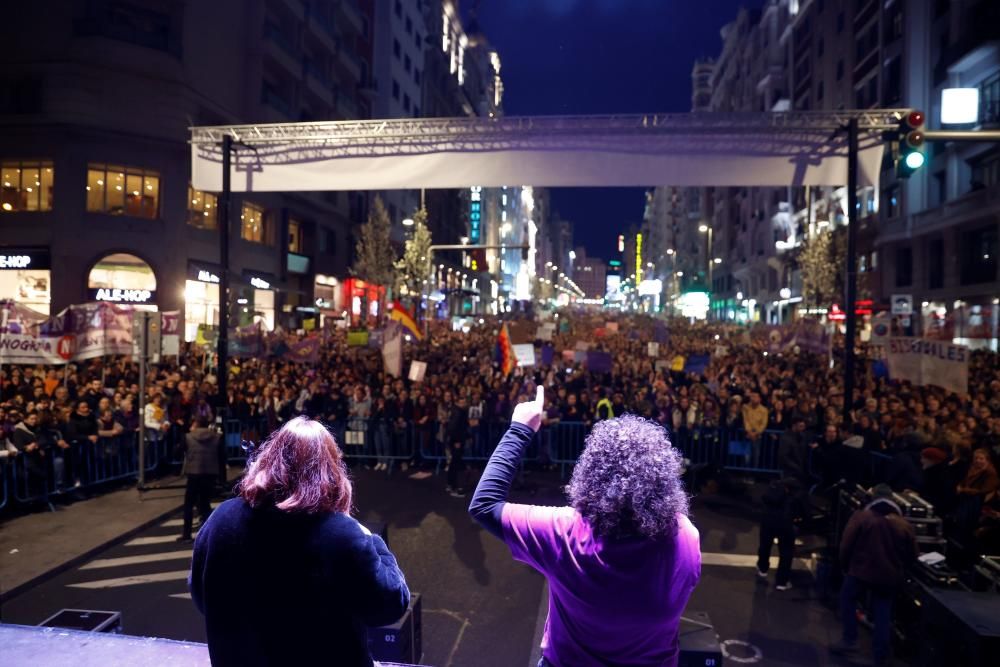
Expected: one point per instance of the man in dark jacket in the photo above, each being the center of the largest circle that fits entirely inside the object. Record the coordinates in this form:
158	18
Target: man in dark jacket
793	452
457	433
877	545
201	464
81	433
25	439
783	506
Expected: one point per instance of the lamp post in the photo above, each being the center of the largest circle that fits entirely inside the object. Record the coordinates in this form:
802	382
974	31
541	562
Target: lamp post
705	229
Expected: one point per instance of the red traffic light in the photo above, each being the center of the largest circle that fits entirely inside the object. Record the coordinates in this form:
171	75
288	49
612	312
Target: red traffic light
915	118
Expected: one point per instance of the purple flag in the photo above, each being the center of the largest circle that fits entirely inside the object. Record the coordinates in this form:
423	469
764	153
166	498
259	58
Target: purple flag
305	351
599	362
548	354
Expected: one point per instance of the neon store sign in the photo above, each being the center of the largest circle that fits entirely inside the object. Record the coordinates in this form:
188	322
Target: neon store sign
475	213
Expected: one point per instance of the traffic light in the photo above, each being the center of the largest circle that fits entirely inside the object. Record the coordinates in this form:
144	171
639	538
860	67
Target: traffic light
910	154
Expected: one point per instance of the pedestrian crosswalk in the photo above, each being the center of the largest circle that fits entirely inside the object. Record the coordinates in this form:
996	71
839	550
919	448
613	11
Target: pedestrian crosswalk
153	558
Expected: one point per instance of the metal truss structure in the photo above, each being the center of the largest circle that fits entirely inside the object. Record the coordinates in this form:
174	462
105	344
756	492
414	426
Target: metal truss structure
487	133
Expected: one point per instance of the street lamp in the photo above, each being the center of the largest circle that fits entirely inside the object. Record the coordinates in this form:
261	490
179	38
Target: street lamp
705	229
407	222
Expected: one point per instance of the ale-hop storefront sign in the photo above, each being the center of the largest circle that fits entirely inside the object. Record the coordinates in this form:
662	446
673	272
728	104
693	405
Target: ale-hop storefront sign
929	362
19	259
117	295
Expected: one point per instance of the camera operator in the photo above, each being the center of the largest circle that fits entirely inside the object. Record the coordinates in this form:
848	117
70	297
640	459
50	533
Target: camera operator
875	549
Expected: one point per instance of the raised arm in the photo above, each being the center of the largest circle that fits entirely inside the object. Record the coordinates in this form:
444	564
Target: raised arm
491	492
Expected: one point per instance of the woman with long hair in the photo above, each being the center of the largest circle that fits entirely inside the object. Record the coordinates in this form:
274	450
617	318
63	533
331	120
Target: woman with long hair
283	574
621	560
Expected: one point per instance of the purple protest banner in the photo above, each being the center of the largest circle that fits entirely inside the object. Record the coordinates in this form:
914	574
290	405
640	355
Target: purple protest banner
599	362
304	352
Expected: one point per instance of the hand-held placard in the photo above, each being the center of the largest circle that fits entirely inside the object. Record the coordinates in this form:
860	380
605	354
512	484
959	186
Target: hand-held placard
530	413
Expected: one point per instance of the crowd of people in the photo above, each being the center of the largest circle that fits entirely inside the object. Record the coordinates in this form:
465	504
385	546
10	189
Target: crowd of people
943	445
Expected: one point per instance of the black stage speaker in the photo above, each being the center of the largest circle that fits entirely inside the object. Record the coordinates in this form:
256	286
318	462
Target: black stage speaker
699	642
959	628
401	641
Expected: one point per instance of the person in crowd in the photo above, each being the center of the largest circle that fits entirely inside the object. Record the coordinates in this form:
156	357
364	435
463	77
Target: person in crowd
457	436
621	560
793	452
81	433
934	486
201	467
783	509
33	456
325	578
877	545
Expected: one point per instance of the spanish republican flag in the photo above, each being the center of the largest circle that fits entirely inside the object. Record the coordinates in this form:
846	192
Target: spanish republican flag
505	351
403	316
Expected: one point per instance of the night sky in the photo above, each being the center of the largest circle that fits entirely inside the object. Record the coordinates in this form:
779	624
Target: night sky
601	57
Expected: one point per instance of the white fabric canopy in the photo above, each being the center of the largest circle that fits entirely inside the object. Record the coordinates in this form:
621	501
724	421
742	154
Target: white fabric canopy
538	155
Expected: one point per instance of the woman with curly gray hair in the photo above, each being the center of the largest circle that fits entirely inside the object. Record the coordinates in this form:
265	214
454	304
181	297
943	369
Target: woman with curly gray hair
621	560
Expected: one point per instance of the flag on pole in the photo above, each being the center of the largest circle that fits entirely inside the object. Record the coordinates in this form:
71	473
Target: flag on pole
401	315
505	351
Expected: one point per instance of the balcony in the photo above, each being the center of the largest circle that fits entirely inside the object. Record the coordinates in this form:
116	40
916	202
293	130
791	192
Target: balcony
281	49
977	204
351	63
270	96
347	107
318	81
323	30
351	12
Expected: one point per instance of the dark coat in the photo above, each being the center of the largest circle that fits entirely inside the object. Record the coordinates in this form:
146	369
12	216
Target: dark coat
292	589
79	428
793	455
202	452
877	545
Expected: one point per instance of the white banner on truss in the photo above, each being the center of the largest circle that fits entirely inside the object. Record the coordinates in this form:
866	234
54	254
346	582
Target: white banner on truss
752	157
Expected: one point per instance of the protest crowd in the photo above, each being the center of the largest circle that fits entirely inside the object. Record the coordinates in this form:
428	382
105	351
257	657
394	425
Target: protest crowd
778	408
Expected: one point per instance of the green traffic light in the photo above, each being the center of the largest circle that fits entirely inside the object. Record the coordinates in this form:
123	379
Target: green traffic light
915	160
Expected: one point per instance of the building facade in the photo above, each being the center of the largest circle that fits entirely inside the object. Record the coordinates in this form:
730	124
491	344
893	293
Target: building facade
96	166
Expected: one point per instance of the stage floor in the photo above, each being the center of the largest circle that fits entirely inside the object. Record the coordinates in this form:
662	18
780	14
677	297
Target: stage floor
480	607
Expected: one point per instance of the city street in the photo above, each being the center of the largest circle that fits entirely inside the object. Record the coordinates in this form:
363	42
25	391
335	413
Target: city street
471	586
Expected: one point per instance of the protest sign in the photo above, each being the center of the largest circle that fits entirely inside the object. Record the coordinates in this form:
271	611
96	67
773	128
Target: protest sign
525	354
653	349
417	371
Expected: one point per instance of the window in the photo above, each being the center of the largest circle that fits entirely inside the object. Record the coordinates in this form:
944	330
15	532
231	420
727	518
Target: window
935	263
252	227
940	191
840	22
123	191
406	102
27	186
840	69
417	39
890	203
416	76
416	111
294	236
409	26
399	9
989	101
819	93
396	50
395	90
904	266
202	207
979	255
986	172
327	241
407	65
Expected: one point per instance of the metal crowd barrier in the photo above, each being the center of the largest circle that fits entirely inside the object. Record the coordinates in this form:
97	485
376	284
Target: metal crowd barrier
84	466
